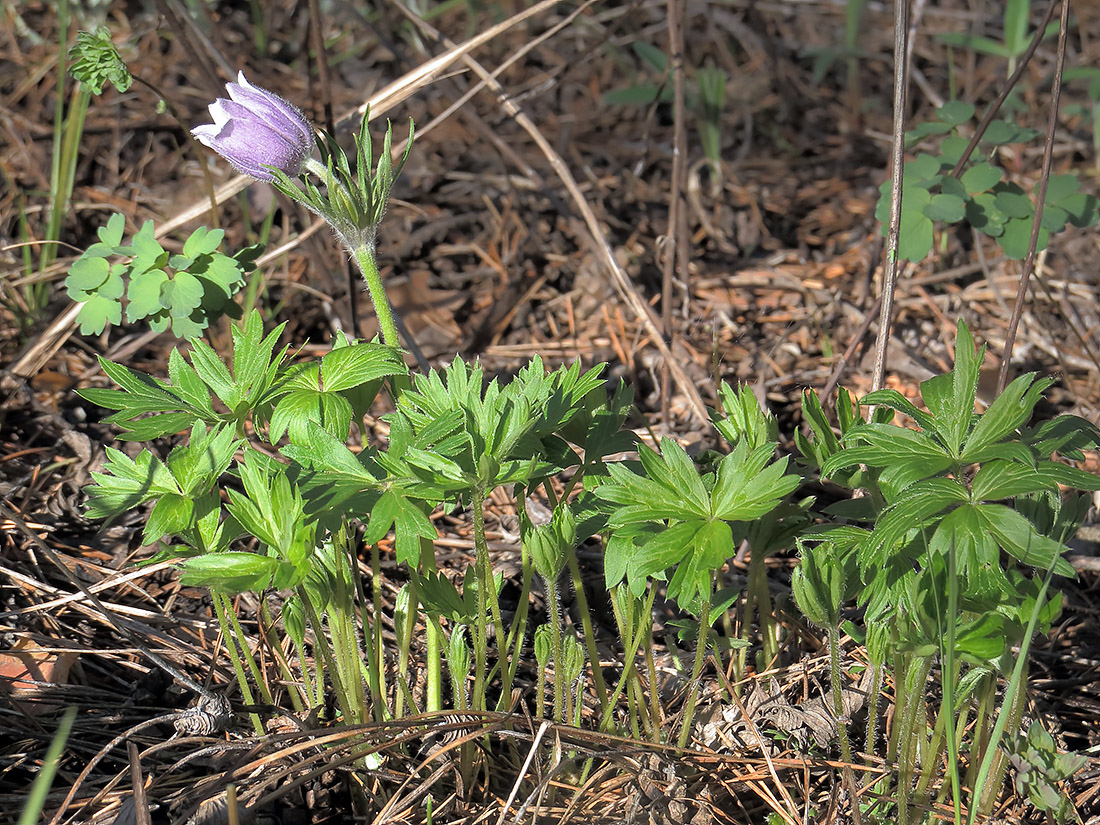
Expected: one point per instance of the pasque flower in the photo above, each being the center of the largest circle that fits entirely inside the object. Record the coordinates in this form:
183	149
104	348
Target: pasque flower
255	129
266	137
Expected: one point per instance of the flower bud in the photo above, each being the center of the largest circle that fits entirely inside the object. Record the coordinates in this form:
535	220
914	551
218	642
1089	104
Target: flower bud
255	129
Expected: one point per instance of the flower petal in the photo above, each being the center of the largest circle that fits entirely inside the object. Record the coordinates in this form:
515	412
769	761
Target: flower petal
250	146
281	115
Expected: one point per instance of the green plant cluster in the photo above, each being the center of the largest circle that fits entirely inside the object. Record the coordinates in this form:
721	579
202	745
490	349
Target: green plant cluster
183	292
264	494
953	512
979	196
1040	768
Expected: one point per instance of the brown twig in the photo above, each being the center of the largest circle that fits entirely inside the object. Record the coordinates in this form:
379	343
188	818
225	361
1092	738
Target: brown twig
890	266
675	236
1041	195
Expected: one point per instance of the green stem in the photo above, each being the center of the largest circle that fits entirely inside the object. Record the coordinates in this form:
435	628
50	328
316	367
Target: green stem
518	633
635	630
487	598
235	658
321	645
434	635
376	680
697	668
364	257
838	699
554	604
246	652
910	731
267	626
760	598
872	708
947	709
586	626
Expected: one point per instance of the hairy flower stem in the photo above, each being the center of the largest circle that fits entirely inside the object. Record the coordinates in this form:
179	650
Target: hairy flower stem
321	645
486	587
697	668
910	729
553	602
377	670
364	257
586	626
837	686
871	740
221	609
631	632
838	696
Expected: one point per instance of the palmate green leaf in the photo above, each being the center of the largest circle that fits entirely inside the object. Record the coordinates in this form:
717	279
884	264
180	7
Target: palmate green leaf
408	520
676	473
980	177
199	464
1000	479
1066	434
950	398
643	499
896	401
233	572
906	456
621	547
329	474
86	276
663	549
748	487
1058	473
146	250
354	365
743	418
978	566
956	112
143	294
126	483
172	515
914	509
142	394
1008	412
1017	238
97	313
710	546
187	386
945	207
1020	539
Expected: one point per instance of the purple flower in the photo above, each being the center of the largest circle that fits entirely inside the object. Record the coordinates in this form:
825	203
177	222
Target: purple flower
256	128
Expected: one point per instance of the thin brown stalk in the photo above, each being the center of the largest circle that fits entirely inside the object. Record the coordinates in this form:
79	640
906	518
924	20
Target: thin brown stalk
1041	196
675	237
890	265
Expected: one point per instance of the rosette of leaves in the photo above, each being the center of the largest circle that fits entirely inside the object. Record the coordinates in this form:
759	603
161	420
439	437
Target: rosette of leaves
667	516
979	195
184	292
964	486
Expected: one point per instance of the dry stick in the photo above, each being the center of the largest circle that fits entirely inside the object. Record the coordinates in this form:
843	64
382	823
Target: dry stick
51	340
137	785
675	237
890	265
987	118
627	290
1041	195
